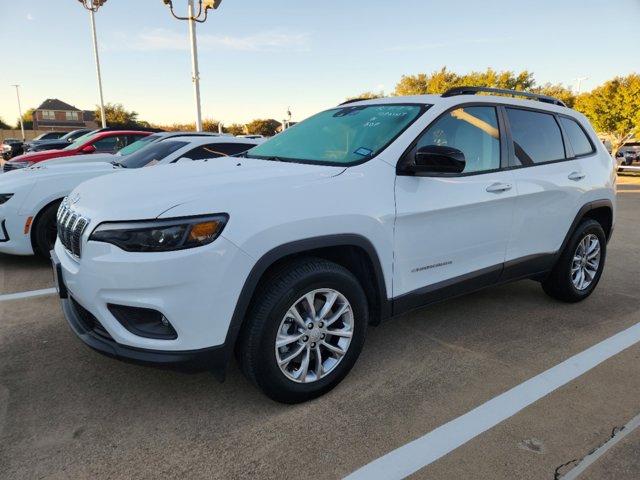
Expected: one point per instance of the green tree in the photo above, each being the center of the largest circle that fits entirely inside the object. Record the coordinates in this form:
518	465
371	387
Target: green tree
27	120
368	94
211	125
3	125
442	80
117	116
266	127
236	129
614	109
558	91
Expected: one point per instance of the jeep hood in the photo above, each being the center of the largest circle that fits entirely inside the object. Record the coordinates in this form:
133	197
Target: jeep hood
212	185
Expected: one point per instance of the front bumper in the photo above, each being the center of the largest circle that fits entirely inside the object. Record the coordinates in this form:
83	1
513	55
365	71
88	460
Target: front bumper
195	289
13	240
89	330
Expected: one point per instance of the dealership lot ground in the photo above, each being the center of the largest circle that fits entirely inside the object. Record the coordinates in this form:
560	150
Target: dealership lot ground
67	412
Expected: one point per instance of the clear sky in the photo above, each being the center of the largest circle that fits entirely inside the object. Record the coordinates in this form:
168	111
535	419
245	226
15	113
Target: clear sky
259	57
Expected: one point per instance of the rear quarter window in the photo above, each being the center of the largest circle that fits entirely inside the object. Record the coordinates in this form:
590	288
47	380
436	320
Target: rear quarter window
577	137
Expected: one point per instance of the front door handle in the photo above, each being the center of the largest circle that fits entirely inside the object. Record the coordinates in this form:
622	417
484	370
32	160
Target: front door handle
498	187
576	176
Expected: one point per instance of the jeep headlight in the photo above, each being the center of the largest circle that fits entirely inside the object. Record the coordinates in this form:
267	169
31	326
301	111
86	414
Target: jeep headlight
161	235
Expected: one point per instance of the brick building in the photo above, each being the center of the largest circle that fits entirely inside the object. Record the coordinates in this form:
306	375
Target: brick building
54	114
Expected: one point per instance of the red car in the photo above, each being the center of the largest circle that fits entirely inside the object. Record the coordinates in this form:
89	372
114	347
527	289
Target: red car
102	142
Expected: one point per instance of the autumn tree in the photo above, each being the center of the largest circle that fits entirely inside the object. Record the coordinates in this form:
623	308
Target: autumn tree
236	129
211	125
558	91
117	116
442	80
366	95
266	127
27	120
614	109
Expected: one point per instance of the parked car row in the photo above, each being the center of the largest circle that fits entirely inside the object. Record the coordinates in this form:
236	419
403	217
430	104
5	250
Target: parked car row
29	220
101	142
285	254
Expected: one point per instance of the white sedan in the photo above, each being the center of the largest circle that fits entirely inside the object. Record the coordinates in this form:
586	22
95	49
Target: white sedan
29	197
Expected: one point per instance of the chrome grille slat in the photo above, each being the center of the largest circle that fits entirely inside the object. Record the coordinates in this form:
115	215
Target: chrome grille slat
71	226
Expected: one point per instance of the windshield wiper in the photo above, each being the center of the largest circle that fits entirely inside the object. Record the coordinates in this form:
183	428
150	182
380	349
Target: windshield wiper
117	164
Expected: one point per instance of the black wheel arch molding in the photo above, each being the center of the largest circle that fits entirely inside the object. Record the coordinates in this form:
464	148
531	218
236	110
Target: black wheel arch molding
313	247
586	211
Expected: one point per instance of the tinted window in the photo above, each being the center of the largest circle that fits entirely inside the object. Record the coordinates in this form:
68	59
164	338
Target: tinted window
230	149
577	138
137	145
536	137
214	150
472	130
108	144
152	154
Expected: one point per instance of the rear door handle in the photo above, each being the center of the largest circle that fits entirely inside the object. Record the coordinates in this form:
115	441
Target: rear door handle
576	176
498	187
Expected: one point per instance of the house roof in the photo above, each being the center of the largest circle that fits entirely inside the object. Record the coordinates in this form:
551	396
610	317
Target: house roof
55	104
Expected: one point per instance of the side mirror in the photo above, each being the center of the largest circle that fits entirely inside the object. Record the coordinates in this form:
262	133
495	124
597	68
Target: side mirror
439	160
88	149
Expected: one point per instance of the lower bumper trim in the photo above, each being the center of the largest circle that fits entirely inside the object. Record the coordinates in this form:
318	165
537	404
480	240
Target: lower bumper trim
214	359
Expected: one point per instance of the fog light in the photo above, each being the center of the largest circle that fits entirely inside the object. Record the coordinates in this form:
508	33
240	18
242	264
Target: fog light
144	322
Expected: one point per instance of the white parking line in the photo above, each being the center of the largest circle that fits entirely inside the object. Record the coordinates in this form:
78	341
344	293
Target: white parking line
590	459
425	450
32	293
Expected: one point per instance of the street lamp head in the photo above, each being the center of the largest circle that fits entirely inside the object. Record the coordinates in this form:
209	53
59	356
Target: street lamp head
213	4
203	7
92	5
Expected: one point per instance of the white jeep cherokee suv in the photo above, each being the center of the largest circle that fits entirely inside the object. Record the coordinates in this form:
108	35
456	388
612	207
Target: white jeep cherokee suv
361	212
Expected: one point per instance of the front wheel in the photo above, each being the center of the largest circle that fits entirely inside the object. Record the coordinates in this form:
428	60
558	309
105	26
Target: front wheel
580	265
305	331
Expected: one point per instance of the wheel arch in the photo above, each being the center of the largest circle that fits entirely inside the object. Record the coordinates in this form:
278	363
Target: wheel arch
36	219
599	210
354	252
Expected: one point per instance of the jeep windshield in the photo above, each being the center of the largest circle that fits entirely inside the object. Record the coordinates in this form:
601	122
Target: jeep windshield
346	135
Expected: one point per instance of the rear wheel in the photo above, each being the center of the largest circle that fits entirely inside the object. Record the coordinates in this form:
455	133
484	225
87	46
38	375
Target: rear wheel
45	230
580	266
305	331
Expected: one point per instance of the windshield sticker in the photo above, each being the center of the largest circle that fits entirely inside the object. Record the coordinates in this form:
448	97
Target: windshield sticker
373	122
365	152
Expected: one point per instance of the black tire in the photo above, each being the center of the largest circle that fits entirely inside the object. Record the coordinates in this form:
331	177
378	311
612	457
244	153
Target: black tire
559	284
45	230
279	293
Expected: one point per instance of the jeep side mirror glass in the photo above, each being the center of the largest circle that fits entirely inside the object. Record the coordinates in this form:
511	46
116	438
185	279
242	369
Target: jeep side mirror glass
438	159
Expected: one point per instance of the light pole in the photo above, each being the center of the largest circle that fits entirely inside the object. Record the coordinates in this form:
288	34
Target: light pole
201	17
286	121
579	82
20	112
93	6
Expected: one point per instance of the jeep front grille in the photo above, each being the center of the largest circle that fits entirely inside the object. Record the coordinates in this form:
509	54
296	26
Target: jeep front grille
71	226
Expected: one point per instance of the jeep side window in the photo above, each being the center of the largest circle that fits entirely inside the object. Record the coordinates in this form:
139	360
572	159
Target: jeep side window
474	131
577	138
536	137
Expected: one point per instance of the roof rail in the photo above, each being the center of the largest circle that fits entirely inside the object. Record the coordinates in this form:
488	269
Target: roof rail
351	100
473	90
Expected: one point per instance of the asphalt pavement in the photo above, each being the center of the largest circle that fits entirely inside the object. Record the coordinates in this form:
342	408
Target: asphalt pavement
68	412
